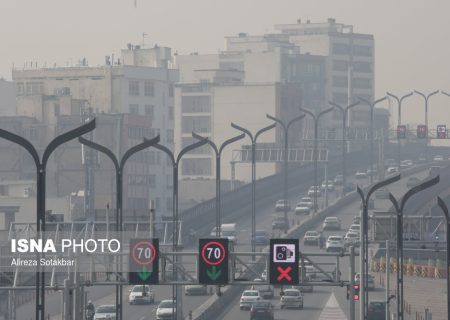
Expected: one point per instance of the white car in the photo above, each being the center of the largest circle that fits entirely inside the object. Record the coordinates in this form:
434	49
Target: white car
329	185
392	170
406	164
311	238
141	294
248	298
308	201
355	228
351	238
196	290
166	310
360	175
282	205
105	312
438	158
291	298
331	223
314	190
302	208
335	243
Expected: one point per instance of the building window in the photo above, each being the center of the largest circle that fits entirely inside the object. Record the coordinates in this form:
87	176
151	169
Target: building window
362	83
196	167
57	109
149	89
341	48
134	108
363	51
171	113
205	149
191	104
360	66
340	98
340	82
340	65
149	110
196	124
20	89
171	90
133	88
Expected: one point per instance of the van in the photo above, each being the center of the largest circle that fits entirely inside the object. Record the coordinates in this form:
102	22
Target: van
228	230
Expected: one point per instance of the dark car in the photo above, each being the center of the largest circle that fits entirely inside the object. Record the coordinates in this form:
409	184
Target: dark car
261	310
279	223
261	237
377	310
266	291
349	187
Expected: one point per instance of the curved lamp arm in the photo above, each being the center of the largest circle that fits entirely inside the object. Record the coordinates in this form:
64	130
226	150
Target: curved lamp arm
424	185
212	144
243	130
101	149
136	148
261	131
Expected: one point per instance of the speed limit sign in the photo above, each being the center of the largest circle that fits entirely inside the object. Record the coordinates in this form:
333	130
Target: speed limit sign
143	261
213	261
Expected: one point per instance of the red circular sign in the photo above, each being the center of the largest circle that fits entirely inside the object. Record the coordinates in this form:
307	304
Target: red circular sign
144	244
211	258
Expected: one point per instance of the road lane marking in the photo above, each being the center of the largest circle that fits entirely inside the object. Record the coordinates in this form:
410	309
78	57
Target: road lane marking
332	310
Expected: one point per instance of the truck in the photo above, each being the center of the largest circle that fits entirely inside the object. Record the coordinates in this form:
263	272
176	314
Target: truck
228	230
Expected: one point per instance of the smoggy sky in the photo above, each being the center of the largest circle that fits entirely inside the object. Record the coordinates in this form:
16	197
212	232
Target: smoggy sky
412	38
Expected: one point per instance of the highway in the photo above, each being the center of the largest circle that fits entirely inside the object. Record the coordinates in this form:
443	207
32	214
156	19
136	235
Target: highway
314	302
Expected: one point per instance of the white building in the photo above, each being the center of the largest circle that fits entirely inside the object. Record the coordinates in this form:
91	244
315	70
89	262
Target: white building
140	83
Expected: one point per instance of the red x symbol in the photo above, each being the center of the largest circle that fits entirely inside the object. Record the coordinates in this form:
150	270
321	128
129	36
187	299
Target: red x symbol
284	273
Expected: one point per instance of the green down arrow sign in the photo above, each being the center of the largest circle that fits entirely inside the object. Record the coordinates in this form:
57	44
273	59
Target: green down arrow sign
214	273
144	274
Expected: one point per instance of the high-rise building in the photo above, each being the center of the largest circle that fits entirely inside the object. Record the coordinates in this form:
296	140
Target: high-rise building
140	84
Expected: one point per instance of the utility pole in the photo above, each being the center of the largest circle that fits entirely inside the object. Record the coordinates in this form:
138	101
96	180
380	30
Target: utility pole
352	283
152	219
388	257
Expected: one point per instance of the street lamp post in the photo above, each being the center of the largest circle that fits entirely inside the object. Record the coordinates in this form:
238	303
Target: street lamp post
218	152
176	294
372	107
316	156
426	98
344	139
253	139
364	243
286	146
399	210
444	208
119	166
399	118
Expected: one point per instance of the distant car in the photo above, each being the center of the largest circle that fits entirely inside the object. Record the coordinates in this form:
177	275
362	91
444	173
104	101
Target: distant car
412	182
261	237
248	297
369	171
279	223
314	190
282	205
370	281
335	243
438	158
265	290
302	208
391	170
165	310
382	193
308	201
377	310
291	298
406	164
105	312
351	238
339	180
360	175
356	220
329	185
331	223
349	187
422	158
311	238
141	294
261	310
195	290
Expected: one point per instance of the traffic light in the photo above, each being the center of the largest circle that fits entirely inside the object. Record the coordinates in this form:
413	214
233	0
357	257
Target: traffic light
401	132
143	261
213	261
421	131
356	292
284	266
